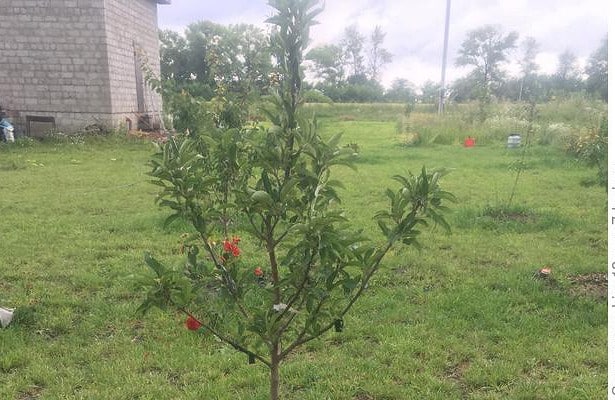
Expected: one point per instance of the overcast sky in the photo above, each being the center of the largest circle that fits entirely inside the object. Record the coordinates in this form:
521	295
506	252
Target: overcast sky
415	28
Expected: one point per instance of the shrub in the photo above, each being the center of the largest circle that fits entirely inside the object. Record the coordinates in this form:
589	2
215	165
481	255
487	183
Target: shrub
592	149
316	96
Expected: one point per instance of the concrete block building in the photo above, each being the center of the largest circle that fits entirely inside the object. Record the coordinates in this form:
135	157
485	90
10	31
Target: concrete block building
69	64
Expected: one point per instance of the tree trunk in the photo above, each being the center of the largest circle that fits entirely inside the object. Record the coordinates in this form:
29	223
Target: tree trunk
520	91
274	378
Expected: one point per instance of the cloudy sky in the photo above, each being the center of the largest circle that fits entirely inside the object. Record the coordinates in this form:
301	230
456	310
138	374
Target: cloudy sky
415	28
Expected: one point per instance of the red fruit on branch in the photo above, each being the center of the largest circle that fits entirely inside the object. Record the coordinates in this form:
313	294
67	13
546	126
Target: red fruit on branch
192	323
231	247
258	271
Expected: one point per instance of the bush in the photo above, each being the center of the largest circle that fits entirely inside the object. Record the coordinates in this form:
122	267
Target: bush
591	148
557	133
316	96
576	111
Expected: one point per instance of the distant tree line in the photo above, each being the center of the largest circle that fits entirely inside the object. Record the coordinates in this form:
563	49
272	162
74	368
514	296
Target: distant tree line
487	49
238	58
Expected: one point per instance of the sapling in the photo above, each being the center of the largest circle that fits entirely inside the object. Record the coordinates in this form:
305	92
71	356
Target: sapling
518	166
273	188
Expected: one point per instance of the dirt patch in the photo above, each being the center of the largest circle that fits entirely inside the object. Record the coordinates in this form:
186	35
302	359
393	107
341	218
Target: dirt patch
362	396
592	285
155	136
456	373
32	393
515	216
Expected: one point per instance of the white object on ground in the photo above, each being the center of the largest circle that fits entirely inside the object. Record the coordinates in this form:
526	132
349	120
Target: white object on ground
6	316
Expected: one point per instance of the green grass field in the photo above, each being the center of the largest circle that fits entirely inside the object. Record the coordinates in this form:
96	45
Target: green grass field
465	318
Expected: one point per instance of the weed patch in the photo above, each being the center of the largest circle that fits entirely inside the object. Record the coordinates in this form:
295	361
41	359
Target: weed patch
518	219
592	285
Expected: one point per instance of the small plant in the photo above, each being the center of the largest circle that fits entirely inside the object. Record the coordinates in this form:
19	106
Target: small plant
592	149
518	166
273	190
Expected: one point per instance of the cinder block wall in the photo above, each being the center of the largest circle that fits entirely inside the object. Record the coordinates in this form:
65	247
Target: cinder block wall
132	37
53	62
74	60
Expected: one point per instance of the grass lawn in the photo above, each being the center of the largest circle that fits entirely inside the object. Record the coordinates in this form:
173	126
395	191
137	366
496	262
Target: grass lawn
465	318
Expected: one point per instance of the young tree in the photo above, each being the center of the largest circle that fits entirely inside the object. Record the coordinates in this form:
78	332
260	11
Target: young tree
377	56
314	266
597	71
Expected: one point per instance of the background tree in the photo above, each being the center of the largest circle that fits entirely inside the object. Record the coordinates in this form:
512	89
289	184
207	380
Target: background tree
485	49
466	89
211	53
567	78
377	55
528	64
352	45
173	57
252	59
327	64
430	92
340	71
597	71
200	39
401	91
227	64
567	66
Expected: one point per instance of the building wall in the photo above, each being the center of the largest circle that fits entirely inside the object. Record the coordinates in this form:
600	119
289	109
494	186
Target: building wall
73	60
53	60
131	40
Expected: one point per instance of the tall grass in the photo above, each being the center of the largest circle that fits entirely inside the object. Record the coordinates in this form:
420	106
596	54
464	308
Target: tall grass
557	123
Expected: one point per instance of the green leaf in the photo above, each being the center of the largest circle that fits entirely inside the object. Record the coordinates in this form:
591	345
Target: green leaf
384	228
287	188
334	140
170	219
266	182
350	284
154	264
262	198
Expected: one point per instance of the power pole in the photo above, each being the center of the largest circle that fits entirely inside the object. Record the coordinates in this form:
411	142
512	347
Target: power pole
444	52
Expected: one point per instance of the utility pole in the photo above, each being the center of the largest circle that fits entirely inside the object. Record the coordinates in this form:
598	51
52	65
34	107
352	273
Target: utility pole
444	52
